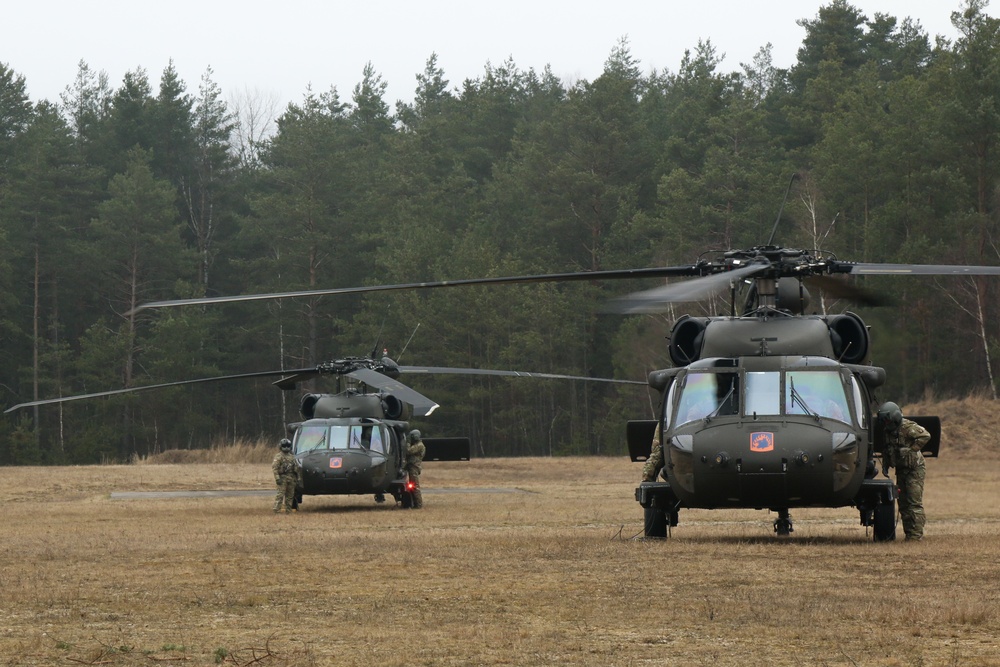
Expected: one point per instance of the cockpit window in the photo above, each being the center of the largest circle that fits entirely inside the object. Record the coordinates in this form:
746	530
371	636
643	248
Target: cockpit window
816	393
357	436
763	394
309	438
859	402
707	395
376	442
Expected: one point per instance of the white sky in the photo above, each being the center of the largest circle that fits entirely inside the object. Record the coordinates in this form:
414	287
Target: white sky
278	49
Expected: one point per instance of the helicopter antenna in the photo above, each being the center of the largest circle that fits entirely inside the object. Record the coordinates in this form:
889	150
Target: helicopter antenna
408	341
770	239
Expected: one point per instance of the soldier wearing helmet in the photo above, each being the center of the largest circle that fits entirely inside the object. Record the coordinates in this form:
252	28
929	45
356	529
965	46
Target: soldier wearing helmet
903	441
286	471
415	451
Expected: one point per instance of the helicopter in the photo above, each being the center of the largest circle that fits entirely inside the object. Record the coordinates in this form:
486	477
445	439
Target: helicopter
767	407
352	442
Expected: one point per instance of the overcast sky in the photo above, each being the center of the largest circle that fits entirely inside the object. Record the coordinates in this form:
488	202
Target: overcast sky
280	48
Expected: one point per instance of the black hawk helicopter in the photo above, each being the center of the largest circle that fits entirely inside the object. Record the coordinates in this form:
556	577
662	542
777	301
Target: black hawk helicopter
353	442
768	407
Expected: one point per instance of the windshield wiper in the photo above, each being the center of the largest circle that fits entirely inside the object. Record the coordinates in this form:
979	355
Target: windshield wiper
715	412
797	398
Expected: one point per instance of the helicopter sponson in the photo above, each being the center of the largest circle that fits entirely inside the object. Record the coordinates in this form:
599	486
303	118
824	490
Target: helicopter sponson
842	337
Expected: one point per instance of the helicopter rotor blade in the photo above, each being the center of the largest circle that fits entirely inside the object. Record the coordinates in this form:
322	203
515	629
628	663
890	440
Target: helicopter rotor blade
842	289
422	406
132	390
654	300
443	370
611	274
874	269
292	381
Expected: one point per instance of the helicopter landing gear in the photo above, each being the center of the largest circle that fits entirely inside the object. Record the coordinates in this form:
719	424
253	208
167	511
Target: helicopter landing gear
657	520
380	498
877	506
783	524
884	523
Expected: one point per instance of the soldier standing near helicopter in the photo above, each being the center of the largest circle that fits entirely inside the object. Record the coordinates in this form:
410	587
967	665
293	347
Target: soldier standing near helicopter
903	441
415	450
286	475
654	463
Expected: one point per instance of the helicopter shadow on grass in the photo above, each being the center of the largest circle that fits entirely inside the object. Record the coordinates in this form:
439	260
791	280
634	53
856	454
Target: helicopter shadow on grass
860	538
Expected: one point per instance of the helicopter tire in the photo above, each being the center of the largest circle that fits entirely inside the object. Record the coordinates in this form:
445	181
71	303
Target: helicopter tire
885	522
655	522
406	500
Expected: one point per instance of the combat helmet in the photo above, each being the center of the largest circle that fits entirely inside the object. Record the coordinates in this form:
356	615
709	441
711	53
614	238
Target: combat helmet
414	436
285	445
889	416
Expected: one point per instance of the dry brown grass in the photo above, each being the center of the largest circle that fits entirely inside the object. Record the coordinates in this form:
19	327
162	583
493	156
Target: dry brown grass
544	576
970	426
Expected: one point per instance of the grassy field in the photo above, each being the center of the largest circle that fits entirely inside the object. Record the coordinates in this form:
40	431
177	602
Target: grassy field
543	570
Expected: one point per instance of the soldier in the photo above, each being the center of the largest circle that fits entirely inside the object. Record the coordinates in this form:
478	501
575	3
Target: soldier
655	461
286	471
903	441
415	451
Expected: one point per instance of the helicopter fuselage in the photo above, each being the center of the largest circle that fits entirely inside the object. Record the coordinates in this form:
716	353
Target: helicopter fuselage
355	444
351	455
765	432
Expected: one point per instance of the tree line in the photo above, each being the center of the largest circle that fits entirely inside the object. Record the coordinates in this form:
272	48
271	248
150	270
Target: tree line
116	196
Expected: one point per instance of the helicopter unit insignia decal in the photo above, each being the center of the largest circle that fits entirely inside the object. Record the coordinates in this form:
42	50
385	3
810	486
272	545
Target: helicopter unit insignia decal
761	442
336	462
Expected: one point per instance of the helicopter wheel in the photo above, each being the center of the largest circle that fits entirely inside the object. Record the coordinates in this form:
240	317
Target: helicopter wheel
885	522
655	522
783	524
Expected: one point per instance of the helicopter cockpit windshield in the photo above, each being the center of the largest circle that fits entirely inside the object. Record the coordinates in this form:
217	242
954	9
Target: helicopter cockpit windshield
818	393
706	395
368	437
814	391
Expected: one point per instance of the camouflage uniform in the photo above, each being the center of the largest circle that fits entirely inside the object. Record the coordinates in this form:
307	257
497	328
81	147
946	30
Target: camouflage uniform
286	471
655	461
902	452
415	451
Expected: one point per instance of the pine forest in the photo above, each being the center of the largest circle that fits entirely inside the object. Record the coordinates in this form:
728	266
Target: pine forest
121	194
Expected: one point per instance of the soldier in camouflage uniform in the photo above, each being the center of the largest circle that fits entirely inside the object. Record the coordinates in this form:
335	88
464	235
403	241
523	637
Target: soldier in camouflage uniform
655	461
903	441
286	471
415	450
